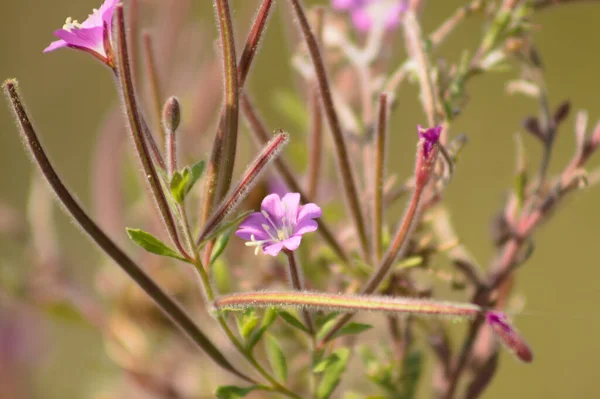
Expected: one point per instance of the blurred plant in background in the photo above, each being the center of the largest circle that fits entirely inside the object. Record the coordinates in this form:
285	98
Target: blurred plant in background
194	273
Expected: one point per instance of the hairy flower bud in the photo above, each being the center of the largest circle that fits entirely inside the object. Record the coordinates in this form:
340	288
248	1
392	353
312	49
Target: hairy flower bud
427	150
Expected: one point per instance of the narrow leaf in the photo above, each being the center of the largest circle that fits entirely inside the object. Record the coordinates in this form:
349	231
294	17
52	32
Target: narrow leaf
333	373
352	329
178	183
220	246
233	392
276	357
196	172
152	244
225	226
324	363
268	319
247	322
292	320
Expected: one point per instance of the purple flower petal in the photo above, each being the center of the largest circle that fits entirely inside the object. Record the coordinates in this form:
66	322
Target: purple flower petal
273	249
309	211
306	226
292	243
89	38
430	137
273	206
253	225
291	203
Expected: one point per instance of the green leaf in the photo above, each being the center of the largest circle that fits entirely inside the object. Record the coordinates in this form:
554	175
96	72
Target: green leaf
246	323
152	244
276	357
195	173
324	363
233	392
178	183
292	320
268	319
220	245
183	181
323	319
352	329
333	373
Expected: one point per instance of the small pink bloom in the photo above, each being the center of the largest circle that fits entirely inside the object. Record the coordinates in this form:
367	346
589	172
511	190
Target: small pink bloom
509	336
367	12
280	224
92	35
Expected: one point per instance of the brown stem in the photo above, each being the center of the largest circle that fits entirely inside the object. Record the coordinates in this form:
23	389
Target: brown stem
342	156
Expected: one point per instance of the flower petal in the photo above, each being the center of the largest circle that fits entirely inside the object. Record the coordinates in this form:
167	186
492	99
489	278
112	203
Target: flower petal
89	38
252	225
345	4
293	242
291	202
273	249
306	226
309	211
55	45
273	206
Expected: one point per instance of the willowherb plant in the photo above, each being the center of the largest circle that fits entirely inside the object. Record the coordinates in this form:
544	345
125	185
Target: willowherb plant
298	342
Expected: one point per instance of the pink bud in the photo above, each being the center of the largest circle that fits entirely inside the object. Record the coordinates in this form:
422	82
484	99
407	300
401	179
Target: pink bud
427	150
509	336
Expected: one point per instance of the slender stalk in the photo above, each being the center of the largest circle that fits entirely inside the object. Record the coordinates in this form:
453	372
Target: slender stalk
379	177
416	50
251	46
137	126
296	281
316	124
342	156
153	83
170	308
394	251
220	168
344	303
261	138
270	151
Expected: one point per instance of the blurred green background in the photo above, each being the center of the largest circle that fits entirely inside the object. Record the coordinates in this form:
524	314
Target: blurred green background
69	94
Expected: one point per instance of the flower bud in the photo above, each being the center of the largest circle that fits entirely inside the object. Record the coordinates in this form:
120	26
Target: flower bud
171	115
509	336
427	151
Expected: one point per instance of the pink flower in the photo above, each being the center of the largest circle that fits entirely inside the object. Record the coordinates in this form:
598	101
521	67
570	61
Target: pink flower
509	336
280	224
92	35
366	12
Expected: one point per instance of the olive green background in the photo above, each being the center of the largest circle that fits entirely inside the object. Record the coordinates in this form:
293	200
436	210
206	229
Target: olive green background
68	94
